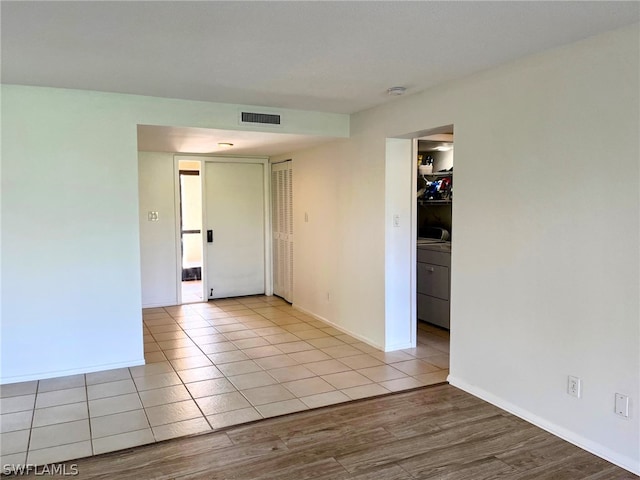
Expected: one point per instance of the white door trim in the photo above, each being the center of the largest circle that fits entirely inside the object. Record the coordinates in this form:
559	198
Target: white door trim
266	177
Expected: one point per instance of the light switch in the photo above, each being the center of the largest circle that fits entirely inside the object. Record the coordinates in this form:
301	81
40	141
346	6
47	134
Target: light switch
153	216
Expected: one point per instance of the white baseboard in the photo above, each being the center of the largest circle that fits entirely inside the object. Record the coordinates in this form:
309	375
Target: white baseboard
338	327
597	449
73	371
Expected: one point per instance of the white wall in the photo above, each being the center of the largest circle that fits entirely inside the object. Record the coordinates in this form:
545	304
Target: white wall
158	247
71	289
545	264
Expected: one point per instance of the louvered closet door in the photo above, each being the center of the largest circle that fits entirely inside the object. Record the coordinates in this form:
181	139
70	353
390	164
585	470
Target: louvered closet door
282	220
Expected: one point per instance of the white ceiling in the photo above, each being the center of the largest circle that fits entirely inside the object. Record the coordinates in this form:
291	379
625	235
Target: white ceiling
336	56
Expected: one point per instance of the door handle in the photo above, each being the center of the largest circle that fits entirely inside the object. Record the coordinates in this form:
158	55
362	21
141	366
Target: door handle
209	236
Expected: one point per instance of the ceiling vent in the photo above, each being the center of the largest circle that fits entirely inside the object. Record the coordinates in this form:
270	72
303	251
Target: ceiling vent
254	118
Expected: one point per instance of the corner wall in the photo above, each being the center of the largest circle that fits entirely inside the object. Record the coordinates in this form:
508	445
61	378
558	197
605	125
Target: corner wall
545	263
71	290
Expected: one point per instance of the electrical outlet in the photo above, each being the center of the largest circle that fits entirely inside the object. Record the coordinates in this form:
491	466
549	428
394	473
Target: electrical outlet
396	220
622	405
574	386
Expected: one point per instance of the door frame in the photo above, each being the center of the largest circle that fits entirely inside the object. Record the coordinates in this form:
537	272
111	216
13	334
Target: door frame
266	176
400	318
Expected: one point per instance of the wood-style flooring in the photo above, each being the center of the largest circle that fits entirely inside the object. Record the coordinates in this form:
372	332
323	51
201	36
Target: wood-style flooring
436	432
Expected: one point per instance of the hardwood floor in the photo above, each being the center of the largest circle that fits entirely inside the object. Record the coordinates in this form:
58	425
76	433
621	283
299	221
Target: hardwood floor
436	432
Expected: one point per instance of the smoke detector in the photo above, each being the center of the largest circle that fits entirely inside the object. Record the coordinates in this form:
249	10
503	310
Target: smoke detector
396	91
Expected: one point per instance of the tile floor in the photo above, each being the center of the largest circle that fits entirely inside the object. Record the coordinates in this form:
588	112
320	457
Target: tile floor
209	365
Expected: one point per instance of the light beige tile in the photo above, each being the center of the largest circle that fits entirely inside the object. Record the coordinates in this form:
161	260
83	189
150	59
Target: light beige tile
277	361
250	342
111	405
154	357
326	367
10	422
172	327
152	369
14	442
400	384
180	429
226	357
157	381
61	383
309	356
441	361
390	357
363	347
182	352
59	434
323	399
285	320
111	389
161	396
235	417
199	329
251	380
267	394
209	339
211	387
224	402
308	386
121	441
270	331
199	374
60	414
61	397
288	374
365	391
433	378
118	423
18	389
281	408
13	459
231	327
190	362
326	342
331	331
297	327
19	403
293	347
238	368
347	338
341	351
415	367
219	347
241	334
173	335
177	343
381	373
260	352
60	453
346	379
281	338
172	412
311	334
362	360
151	347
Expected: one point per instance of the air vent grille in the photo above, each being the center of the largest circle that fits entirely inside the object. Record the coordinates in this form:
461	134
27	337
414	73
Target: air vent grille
263	118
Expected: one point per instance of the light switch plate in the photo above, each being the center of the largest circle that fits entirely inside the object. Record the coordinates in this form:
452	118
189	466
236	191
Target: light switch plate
153	216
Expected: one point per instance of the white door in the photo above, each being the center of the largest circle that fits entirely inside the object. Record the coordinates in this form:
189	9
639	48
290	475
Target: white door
234	204
282	226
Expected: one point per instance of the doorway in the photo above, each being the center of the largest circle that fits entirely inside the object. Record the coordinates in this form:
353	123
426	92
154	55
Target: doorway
190	217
